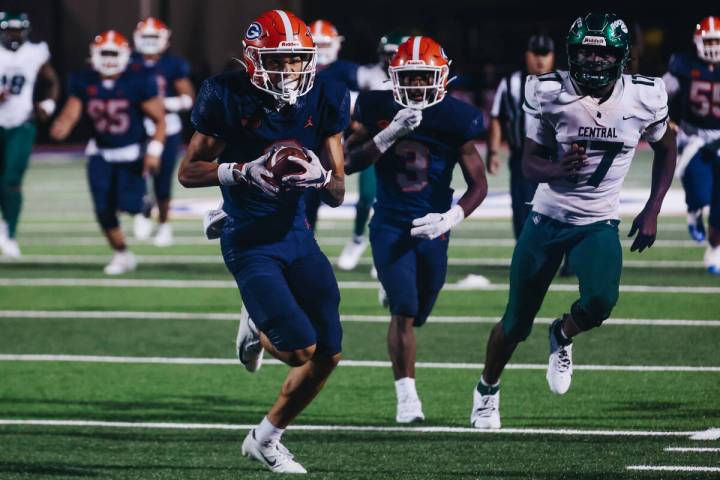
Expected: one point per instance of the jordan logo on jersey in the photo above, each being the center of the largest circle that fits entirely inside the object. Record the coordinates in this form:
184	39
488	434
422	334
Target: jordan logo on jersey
596	132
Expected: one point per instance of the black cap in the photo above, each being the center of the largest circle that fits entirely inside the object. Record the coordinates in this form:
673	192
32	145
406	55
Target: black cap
541	44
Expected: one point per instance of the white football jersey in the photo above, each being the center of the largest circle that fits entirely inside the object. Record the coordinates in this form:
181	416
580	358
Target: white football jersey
373	77
559	116
18	72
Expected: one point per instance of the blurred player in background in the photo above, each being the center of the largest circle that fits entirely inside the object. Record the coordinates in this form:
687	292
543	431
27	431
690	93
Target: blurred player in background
287	284
508	121
583	127
328	42
23	65
151	40
413	136
115	100
696	80
370	77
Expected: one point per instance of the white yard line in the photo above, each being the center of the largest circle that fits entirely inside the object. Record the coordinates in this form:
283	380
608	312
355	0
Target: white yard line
345	363
348	428
692	450
161	283
144	315
672	468
711	434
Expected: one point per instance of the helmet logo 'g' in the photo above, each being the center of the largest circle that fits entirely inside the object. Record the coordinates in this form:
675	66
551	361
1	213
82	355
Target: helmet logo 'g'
619	23
254	31
577	23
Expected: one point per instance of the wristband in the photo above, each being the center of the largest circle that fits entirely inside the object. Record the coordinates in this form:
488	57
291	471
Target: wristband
48	106
382	142
225	174
154	148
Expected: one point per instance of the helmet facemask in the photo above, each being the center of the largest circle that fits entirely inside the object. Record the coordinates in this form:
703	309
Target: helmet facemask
327	49
109	60
151	42
14	32
595	67
708	47
419	86
286	73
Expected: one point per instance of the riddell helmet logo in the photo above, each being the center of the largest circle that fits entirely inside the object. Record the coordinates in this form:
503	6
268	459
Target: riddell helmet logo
254	31
590	40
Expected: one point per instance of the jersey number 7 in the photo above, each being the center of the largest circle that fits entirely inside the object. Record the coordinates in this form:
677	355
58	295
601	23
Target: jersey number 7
610	149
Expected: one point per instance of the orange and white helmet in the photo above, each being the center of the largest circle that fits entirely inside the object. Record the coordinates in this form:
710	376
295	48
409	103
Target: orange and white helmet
708	29
279	32
151	36
425	55
109	53
327	40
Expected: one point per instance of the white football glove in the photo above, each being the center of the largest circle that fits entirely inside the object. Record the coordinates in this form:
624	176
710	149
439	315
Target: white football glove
314	176
404	122
433	225
255	173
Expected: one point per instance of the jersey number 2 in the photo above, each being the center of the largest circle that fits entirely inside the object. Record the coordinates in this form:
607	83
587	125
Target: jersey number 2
610	149
416	161
109	116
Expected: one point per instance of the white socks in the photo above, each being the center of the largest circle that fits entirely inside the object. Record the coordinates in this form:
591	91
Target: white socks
266	432
405	389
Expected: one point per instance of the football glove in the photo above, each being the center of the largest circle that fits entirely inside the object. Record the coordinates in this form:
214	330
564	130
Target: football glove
255	173
404	122
315	175
433	225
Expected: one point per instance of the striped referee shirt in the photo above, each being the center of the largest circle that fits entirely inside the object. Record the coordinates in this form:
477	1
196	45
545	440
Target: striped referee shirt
507	107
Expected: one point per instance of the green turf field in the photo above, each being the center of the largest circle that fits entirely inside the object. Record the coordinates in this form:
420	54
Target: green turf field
134	377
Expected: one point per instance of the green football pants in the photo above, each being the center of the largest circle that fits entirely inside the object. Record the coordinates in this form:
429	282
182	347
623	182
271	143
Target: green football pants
367	184
15	147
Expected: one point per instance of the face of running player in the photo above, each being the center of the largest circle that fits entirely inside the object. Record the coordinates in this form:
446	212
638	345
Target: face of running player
597	58
289	64
12	38
416	79
539	63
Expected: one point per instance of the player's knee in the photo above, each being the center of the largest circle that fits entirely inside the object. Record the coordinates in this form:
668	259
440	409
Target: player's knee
594	310
107	219
516	330
300	356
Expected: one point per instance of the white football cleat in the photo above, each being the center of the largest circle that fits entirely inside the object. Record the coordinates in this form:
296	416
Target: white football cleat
373	273
248	347
351	253
142	227
383	298
10	248
3	232
213	223
273	455
409	410
122	262
164	236
486	411
712	260
560	369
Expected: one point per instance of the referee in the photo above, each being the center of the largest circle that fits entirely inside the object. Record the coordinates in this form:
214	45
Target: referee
508	120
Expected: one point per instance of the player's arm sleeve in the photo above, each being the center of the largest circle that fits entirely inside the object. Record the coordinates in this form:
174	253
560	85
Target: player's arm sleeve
676	67
537	127
183	69
208	112
475	126
353	79
497	107
150	88
655	101
338	116
75	87
43	53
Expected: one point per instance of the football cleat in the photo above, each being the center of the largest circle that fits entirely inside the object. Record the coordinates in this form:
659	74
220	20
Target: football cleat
559	371
164	236
122	262
249	349
712	260
10	248
696	226
383	298
351	253
142	227
485	413
409	410
273	455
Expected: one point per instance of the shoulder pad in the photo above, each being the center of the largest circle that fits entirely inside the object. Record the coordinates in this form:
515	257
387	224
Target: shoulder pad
649	91
679	65
542	89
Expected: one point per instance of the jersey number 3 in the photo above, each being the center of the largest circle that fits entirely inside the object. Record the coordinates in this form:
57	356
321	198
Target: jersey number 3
610	151
416	161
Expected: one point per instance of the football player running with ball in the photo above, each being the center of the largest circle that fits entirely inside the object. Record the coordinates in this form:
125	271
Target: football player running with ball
582	131
287	284
414	136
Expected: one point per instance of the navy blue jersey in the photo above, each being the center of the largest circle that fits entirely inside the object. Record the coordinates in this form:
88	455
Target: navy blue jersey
699	91
341	71
114	106
168	69
414	174
230	108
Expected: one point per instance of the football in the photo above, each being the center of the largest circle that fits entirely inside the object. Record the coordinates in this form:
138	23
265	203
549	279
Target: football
279	165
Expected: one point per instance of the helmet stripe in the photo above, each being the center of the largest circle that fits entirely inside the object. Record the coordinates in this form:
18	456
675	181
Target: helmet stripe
416	48
286	24
712	23
318	27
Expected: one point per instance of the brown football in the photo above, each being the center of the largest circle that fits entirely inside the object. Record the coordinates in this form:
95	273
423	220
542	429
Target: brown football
281	167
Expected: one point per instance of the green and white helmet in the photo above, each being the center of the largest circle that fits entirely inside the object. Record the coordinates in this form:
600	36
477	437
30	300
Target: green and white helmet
603	33
14	29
